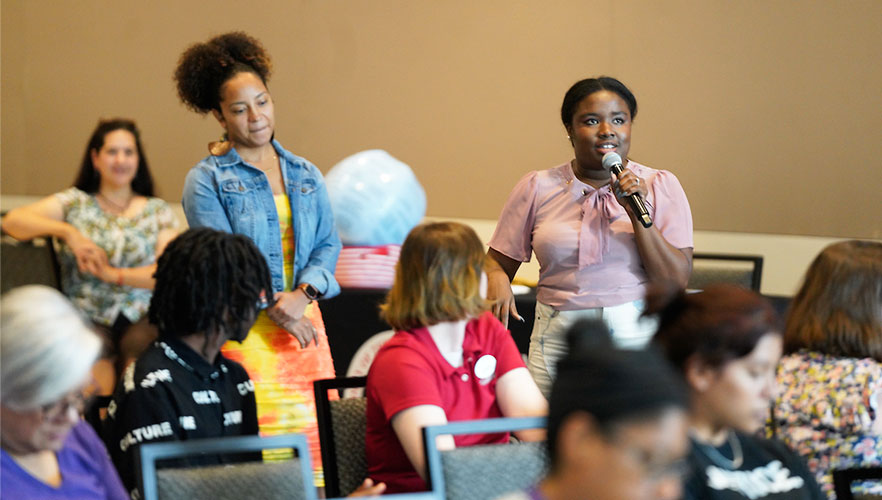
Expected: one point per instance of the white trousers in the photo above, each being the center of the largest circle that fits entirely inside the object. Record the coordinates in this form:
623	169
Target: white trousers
548	342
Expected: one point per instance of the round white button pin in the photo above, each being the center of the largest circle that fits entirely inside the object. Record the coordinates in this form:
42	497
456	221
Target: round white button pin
485	367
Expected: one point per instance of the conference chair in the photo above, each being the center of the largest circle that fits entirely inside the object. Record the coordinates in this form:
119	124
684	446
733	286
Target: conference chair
341	426
28	263
708	268
289	479
843	479
484	471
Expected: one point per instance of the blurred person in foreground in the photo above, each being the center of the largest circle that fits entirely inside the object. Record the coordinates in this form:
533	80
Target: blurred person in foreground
46	354
617	424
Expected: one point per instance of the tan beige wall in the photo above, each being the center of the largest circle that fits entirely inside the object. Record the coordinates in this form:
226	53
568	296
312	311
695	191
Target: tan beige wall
769	112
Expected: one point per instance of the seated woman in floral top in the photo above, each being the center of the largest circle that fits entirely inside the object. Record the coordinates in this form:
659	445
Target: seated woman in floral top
112	230
830	385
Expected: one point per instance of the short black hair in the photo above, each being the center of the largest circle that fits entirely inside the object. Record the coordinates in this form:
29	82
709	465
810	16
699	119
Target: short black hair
89	180
615	386
583	88
207	280
204	68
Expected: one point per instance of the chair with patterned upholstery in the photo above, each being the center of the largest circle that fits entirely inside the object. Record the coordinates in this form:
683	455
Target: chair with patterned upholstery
708	268
341	426
289	479
484	471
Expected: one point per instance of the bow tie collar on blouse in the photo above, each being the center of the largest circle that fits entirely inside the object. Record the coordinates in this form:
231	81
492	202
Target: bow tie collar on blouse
599	209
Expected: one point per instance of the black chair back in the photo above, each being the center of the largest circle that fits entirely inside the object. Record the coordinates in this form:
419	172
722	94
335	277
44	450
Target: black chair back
708	268
843	479
341	426
31	262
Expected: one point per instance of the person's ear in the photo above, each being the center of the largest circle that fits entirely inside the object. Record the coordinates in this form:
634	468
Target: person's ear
699	374
220	118
570	135
579	441
94	155
216	337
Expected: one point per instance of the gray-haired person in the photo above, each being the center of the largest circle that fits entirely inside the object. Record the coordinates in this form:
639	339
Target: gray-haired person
46	356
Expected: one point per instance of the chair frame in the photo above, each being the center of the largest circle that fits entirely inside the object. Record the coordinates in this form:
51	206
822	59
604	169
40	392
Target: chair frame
757	260
49	243
326	428
842	479
434	472
417	495
149	453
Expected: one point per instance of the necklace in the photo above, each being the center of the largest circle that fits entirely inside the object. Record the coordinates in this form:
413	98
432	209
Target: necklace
712	453
119	208
275	162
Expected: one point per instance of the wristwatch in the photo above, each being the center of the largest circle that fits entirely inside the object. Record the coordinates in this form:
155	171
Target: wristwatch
310	291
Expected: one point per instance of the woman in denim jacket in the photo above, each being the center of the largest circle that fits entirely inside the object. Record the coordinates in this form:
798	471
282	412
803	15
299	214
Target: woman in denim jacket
250	185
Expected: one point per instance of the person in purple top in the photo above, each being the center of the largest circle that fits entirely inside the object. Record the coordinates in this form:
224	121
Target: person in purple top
46	353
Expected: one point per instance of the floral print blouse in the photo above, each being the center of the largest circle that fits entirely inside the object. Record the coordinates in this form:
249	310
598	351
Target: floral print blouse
826	410
128	242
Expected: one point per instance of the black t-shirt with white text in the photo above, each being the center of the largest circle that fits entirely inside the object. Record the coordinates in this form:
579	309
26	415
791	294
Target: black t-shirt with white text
769	471
171	393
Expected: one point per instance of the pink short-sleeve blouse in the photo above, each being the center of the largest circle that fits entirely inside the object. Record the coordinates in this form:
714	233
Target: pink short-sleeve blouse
582	237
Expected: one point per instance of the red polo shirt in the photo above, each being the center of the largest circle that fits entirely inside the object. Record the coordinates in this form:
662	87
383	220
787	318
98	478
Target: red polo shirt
409	371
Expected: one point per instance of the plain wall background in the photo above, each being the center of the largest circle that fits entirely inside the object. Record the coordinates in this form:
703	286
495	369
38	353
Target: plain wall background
769	112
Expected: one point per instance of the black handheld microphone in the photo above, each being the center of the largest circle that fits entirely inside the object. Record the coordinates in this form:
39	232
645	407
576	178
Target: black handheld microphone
613	162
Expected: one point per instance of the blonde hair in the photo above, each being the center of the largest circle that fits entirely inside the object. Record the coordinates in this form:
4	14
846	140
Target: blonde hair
46	348
838	309
437	278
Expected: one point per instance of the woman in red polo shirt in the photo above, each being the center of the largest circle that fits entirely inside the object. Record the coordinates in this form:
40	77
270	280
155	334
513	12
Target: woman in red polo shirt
449	360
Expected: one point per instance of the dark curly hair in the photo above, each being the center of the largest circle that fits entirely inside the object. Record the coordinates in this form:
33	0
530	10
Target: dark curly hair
89	180
208	280
583	88
204	67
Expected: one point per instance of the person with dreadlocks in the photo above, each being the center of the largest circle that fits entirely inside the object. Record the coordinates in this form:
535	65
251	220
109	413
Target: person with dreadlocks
210	285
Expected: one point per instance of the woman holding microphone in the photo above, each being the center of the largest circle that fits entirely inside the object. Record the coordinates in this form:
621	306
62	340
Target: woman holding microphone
596	256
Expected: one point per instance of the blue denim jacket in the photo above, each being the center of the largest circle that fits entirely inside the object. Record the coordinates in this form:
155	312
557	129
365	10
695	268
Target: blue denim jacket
228	194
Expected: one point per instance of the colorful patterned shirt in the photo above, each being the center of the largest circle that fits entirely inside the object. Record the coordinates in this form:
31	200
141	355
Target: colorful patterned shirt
128	242
826	411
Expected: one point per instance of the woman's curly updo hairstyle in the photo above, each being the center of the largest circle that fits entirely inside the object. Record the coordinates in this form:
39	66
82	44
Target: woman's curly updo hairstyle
205	67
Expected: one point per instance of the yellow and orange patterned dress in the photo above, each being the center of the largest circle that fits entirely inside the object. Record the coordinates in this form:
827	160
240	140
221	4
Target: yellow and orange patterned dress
282	371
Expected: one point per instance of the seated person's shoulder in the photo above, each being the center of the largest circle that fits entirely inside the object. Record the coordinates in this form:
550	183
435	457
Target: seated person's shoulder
771	446
151	368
